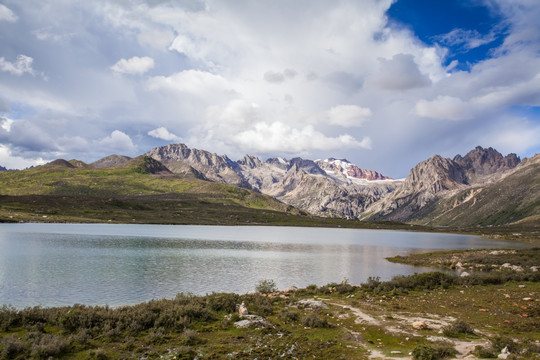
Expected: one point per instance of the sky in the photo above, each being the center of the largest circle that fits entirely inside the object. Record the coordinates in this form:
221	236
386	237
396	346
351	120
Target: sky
384	84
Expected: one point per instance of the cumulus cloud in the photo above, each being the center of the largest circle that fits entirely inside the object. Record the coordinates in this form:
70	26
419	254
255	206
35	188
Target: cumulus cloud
164	134
22	65
444	108
196	82
135	65
118	140
399	73
348	115
6	14
234	74
280	137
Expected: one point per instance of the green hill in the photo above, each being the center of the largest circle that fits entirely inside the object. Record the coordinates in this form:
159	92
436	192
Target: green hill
139	190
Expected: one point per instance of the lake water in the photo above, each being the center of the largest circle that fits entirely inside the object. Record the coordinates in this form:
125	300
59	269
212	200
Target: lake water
99	264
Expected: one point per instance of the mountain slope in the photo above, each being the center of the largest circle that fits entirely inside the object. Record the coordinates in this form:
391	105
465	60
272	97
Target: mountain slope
341	189
515	197
142	189
435	187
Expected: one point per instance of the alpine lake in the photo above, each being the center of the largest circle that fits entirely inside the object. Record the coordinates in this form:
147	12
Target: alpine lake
109	264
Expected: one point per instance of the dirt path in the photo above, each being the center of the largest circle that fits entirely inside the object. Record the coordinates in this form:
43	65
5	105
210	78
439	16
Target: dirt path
464	348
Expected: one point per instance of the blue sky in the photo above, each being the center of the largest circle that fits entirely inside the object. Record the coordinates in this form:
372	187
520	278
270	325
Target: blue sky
383	83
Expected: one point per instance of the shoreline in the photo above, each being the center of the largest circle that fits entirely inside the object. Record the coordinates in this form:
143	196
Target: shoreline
462	317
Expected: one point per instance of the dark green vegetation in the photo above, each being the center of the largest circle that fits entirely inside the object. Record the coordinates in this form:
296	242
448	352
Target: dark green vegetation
337	321
142	190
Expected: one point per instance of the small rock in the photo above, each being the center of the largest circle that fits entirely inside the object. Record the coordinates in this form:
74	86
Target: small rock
464	274
290	289
419	325
527	299
504	353
521	286
534	268
312	304
395	352
242	309
251	322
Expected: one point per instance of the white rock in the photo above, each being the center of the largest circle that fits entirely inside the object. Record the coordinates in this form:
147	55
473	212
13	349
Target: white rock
419	325
464	274
504	353
242	309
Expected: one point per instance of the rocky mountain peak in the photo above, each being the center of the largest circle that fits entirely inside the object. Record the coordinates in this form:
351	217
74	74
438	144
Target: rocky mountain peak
434	175
110	161
250	161
481	162
2	168
308	166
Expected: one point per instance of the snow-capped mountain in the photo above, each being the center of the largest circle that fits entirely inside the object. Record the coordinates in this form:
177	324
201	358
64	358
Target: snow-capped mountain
328	187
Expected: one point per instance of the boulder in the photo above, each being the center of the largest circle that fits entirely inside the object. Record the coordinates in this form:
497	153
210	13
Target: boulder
251	322
419	325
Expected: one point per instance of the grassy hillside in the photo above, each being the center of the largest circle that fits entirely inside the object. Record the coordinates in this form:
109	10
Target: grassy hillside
516	198
140	190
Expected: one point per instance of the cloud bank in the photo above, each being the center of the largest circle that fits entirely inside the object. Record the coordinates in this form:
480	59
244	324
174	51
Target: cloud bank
308	78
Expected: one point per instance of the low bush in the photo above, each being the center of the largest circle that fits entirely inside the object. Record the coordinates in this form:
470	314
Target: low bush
456	328
433	351
289	315
266	286
313	320
11	347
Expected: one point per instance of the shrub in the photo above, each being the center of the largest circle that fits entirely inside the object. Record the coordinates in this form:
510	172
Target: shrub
456	328
500	342
344	287
11	347
484	353
289	315
433	351
191	337
313	320
9	316
259	304
222	302
266	286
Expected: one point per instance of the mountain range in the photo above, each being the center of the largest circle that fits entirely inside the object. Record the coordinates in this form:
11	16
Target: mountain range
481	188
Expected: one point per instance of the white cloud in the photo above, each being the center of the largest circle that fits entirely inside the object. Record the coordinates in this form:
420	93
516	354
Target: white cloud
190	81
10	161
118	140
6	14
444	108
280	137
164	134
6	123
134	65
22	65
348	115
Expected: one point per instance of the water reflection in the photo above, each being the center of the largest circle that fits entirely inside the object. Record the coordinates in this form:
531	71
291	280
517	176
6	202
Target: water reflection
55	264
